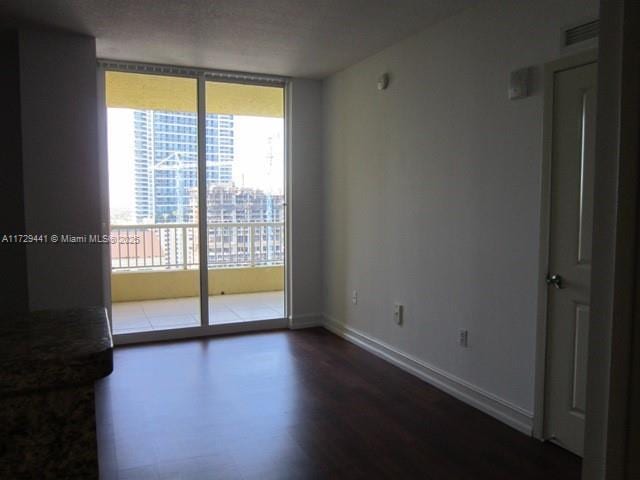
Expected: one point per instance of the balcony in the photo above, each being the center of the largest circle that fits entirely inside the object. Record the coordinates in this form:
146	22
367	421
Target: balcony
156	281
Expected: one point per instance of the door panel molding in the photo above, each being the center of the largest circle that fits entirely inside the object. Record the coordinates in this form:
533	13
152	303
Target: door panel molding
580	342
586	176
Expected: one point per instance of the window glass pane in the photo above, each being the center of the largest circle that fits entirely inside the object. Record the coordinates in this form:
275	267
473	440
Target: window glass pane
153	195
245	201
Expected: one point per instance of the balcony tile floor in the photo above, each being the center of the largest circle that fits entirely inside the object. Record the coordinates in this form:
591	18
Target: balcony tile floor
144	316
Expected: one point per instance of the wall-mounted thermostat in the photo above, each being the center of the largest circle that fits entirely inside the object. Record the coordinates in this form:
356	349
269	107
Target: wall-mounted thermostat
383	81
519	83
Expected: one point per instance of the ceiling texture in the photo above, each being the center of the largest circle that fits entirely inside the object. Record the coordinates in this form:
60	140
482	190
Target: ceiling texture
298	38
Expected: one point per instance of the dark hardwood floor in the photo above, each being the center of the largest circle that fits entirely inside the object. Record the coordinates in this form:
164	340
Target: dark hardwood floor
297	405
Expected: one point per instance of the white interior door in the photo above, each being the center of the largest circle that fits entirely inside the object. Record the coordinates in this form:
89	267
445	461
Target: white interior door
574	119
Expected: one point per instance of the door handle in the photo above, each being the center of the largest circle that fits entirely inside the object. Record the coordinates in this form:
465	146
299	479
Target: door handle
555	280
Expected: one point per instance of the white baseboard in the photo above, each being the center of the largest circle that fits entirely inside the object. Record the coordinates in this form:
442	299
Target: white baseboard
491	404
307	320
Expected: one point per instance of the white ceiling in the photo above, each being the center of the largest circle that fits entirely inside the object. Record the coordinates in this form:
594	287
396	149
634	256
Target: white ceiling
305	38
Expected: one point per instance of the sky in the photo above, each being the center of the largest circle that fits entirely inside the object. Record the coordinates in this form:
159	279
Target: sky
258	162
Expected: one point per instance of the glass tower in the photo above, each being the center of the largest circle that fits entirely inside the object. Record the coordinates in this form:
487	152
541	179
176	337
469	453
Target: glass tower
166	162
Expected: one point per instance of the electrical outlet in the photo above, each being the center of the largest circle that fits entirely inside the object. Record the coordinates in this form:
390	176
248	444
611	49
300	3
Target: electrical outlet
398	310
354	297
463	338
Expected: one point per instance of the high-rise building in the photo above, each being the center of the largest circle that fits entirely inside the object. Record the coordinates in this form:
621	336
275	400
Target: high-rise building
165	190
166	162
245	226
231	204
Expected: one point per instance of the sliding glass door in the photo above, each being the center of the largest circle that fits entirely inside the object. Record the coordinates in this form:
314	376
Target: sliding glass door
196	187
245	201
153	193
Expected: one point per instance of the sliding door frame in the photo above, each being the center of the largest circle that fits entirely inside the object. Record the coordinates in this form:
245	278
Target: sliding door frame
203	224
202	76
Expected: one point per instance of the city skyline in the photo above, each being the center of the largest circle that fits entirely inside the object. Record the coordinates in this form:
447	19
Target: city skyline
153	161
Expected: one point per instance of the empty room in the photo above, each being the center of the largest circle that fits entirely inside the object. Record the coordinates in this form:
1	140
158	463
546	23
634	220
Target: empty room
331	239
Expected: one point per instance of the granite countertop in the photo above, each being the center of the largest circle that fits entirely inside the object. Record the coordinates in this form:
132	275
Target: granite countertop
54	349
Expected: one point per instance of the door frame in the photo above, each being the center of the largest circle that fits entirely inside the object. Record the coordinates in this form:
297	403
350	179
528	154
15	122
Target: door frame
550	70
201	75
288	196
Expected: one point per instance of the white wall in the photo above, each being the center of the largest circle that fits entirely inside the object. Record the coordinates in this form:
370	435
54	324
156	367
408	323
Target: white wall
432	194
60	166
305	150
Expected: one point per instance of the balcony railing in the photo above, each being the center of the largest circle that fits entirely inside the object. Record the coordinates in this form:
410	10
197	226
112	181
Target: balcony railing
176	246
